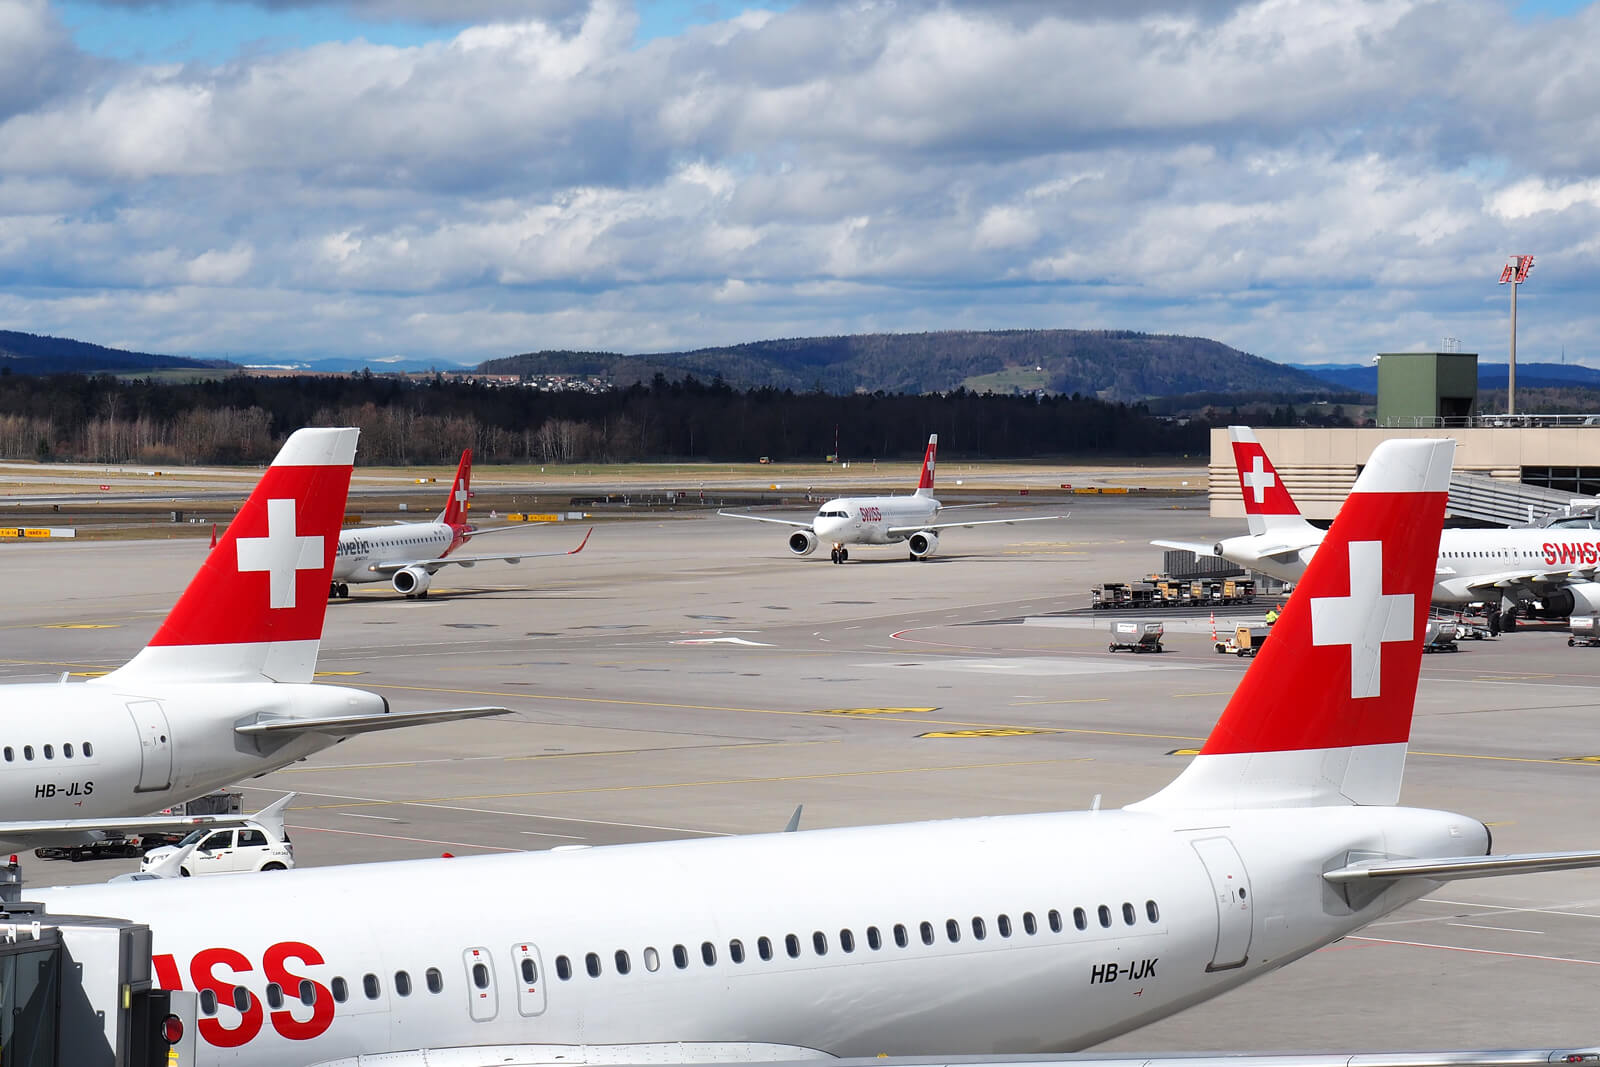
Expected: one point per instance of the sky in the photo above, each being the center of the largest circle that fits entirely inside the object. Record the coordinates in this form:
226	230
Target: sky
1307	180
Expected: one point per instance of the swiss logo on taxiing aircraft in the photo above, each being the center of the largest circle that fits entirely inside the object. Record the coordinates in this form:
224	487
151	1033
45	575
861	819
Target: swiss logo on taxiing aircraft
1263	490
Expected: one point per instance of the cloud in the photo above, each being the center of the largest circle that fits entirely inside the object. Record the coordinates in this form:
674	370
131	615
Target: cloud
1322	177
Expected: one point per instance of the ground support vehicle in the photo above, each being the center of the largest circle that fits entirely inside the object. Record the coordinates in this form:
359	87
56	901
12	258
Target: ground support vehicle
1246	640
1136	635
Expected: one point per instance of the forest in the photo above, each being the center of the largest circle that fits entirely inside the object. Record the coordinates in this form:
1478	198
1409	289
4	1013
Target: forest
242	419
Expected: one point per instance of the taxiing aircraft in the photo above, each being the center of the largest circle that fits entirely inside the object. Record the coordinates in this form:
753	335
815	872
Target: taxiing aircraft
221	693
882	520
1547	573
408	554
987	936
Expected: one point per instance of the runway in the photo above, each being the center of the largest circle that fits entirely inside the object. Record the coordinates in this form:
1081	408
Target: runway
687	676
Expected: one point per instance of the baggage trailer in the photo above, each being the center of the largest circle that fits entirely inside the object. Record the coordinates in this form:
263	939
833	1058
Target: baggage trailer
1585	631
1440	636
1136	635
1246	640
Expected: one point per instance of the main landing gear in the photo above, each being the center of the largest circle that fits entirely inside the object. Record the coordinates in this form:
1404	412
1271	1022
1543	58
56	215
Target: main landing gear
840	554
339	591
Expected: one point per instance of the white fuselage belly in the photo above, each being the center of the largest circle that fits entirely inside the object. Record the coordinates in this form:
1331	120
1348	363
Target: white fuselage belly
869	519
360	550
1045	990
145	750
1464	555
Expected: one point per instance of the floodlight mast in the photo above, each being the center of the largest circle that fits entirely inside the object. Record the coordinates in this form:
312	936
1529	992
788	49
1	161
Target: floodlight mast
1514	274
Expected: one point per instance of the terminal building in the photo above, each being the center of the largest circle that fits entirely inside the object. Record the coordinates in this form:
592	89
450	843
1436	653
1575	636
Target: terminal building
1509	470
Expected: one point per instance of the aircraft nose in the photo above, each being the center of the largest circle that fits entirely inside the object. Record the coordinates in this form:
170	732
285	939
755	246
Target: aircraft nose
828	528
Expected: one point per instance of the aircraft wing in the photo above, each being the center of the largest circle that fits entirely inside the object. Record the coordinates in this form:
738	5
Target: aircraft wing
1583	572
350	725
767	518
904	531
85	831
433	565
748	1055
1451	868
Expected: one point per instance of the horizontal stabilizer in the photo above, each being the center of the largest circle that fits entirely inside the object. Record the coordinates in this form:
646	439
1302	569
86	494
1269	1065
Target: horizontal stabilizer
1187	546
350	725
85	831
1452	868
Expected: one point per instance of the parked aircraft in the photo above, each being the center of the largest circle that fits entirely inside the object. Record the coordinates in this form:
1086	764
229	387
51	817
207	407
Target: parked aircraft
221	693
1544	573
407	555
982	936
882	520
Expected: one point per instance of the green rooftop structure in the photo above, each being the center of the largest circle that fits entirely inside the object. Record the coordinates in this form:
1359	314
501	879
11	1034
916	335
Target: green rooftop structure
1418	388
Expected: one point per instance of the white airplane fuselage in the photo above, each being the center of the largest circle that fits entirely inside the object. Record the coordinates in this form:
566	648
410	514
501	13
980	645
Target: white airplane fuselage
869	520
360	549
1016	934
87	751
1464	557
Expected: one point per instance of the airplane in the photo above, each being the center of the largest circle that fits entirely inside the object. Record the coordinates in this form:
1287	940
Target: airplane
1546	573
984	936
881	520
408	554
221	693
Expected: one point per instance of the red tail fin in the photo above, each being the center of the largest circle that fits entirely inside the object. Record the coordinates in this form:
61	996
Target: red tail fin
255	609
455	509
1324	713
925	483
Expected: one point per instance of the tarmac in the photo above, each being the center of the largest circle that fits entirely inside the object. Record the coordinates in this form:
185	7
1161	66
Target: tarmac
686	676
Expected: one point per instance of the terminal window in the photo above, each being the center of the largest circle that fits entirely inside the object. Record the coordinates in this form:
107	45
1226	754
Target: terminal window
1580	481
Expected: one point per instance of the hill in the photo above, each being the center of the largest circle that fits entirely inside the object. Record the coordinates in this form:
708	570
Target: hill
1119	365
27	353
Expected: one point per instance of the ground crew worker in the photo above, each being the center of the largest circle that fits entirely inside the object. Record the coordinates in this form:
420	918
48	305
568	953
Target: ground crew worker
1272	615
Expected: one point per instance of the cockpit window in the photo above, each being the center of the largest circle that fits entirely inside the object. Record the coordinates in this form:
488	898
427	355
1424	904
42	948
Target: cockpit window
833	514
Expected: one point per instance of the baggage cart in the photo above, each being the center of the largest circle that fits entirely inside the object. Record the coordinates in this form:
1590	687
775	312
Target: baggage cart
1136	635
1246	640
1585	631
1440	636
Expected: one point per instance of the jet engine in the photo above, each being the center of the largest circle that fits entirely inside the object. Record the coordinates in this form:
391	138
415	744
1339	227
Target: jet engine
802	542
923	544
412	581
1580	598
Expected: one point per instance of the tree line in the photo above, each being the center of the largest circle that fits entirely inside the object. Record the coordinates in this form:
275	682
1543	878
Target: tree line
243	419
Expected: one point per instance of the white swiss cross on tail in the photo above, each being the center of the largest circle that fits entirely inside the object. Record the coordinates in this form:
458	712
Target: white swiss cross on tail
1323	714
281	553
1365	619
1258	479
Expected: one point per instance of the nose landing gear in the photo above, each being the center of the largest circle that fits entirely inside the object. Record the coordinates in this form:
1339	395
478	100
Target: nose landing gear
840	554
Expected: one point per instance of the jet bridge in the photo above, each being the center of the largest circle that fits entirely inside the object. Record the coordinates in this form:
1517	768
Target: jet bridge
76	991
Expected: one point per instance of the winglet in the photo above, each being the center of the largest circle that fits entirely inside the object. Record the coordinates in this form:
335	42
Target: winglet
925	483
254	610
575	551
1323	714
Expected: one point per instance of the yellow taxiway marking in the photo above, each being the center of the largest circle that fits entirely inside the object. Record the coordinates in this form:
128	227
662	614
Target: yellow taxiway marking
1009	731
702	784
873	711
560	755
1184	752
928	722
338	674
755	711
101	667
88	674
79	625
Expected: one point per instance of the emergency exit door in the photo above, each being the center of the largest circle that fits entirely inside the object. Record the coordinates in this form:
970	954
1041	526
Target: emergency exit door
1230	888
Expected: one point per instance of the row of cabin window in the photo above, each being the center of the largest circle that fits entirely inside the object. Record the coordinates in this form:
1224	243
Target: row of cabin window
433	978
847	939
49	751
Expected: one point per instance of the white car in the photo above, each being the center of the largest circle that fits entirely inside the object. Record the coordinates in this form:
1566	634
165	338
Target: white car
225	850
